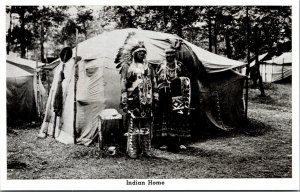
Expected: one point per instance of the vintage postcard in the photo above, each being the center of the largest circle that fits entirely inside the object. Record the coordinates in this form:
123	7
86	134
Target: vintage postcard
138	96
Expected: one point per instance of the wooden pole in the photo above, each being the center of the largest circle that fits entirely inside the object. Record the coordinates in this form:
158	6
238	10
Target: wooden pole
75	89
282	68
248	63
37	88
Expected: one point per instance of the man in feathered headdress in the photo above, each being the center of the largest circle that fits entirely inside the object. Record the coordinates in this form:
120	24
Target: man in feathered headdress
174	102
138	90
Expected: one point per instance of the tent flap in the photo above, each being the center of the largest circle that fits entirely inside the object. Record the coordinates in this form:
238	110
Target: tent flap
25	94
20	100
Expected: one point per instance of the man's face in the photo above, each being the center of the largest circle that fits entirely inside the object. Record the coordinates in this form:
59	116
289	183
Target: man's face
140	55
170	57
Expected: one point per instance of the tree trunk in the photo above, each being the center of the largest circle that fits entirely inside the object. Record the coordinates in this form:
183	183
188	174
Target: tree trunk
85	31
22	37
42	43
228	47
9	35
179	22
209	34
129	21
165	18
248	65
216	36
257	63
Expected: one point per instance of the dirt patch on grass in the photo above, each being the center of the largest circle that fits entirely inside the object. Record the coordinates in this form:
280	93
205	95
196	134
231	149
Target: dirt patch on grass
261	150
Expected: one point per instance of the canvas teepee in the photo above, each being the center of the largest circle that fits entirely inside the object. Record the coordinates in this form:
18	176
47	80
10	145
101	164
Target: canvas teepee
217	91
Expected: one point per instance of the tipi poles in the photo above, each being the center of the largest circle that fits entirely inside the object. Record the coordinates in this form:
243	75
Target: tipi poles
75	90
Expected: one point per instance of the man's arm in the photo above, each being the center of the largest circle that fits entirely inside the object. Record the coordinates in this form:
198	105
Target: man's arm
124	83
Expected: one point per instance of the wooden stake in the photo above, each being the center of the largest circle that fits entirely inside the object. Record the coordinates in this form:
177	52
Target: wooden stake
37	88
75	90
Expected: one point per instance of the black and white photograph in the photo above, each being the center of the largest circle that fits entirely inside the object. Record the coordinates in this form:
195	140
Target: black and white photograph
150	97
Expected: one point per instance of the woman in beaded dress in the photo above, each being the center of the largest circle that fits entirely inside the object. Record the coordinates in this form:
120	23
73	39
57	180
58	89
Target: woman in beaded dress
171	118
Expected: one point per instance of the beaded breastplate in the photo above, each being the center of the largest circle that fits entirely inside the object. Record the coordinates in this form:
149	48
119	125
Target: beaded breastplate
142	82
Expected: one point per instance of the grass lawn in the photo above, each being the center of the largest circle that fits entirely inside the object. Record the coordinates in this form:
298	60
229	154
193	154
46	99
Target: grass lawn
263	150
